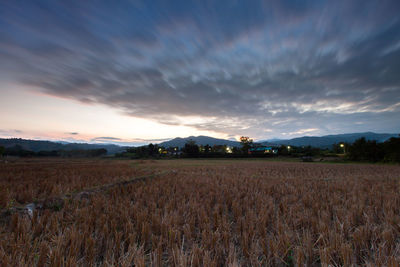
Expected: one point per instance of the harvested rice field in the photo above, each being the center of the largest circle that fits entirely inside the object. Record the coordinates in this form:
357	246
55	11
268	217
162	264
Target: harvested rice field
198	213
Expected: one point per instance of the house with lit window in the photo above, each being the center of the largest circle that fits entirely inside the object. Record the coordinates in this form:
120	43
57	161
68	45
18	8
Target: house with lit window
263	150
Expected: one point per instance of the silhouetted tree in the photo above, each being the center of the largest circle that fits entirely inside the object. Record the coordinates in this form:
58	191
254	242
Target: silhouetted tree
246	143
363	150
207	149
236	150
340	148
152	150
283	150
18	151
221	149
97	152
392	150
191	149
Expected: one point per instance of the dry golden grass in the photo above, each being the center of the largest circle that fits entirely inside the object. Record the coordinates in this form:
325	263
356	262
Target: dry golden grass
221	213
24	181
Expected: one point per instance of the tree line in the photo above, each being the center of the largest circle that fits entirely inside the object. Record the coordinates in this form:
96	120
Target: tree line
372	151
360	150
19	151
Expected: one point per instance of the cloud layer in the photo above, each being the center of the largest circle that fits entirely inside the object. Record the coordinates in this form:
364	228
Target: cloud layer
237	67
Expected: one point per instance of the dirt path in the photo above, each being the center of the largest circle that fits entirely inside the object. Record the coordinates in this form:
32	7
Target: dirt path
57	203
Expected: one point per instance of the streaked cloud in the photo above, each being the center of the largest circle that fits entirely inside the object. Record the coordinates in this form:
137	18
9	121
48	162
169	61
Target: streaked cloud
105	139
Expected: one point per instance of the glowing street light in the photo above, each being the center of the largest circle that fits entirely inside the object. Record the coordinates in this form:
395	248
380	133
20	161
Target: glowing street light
344	149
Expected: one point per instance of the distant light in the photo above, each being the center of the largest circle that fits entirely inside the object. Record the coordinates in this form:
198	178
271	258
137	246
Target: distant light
341	145
288	147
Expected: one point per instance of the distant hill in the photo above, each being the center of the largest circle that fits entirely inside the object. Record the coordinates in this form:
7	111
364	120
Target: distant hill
200	140
36	146
328	140
270	140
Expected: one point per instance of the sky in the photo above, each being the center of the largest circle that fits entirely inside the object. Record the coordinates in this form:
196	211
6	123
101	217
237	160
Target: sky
134	72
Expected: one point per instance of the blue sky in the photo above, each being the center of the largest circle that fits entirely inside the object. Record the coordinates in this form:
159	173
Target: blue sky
148	70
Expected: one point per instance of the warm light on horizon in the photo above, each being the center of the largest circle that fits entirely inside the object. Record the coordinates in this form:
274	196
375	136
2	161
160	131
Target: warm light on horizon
40	116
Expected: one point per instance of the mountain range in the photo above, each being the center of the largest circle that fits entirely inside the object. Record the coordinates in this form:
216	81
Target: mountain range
38	145
328	140
200	140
